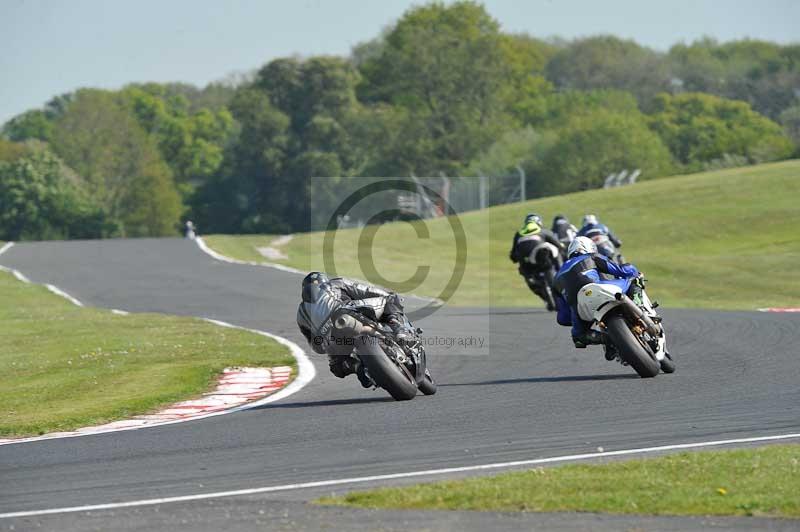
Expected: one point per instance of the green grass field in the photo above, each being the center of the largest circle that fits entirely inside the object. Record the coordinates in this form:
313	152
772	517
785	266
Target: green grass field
745	482
723	239
64	367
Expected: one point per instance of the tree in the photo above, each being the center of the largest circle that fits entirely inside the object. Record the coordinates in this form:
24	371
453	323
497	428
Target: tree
554	110
790	119
11	151
591	146
240	197
606	62
526	87
102	141
700	127
444	65
29	125
764	74
300	122
39	199
191	142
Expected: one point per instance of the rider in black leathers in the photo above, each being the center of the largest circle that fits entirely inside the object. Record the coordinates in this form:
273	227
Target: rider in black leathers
321	296
530	236
564	230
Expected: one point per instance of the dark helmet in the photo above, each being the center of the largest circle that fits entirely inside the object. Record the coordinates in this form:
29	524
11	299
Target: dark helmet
560	218
311	286
533	217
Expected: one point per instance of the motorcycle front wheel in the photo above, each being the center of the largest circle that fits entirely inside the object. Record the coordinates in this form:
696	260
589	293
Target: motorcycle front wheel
427	385
668	365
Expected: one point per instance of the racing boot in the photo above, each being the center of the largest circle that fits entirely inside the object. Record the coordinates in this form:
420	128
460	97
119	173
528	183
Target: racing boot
363	378
590	337
611	352
342	366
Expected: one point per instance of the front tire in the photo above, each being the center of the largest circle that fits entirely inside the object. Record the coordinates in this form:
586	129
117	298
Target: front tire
383	371
427	385
668	365
630	350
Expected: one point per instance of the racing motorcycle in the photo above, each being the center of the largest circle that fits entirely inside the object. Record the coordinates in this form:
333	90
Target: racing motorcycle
546	260
634	334
607	248
397	367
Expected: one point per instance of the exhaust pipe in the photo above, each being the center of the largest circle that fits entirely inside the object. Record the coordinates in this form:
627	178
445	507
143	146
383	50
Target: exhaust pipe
347	324
638	313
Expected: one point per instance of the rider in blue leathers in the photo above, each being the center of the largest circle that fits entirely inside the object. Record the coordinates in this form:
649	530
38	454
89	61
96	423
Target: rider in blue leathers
584	266
591	228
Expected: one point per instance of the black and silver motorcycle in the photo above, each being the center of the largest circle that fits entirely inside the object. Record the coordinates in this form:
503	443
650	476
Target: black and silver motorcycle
545	260
397	367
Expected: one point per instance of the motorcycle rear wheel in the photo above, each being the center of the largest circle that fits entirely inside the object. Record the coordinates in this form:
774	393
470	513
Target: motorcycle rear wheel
383	371
630	350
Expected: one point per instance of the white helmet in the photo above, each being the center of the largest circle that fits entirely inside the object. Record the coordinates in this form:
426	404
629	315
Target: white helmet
589	219
581	246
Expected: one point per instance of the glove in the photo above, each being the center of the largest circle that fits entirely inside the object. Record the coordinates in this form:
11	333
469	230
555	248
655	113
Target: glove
630	270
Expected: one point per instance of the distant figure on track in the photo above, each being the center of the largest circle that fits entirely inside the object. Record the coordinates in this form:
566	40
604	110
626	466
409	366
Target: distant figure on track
321	296
189	230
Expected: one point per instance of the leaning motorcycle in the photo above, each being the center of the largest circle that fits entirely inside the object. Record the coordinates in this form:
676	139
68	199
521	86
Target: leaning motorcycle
397	367
546	260
634	332
607	248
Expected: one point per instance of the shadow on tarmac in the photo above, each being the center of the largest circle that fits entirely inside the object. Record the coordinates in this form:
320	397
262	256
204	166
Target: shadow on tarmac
568	378
330	402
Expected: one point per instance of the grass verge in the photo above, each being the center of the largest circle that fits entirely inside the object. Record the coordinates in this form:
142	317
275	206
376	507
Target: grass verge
65	367
722	239
747	482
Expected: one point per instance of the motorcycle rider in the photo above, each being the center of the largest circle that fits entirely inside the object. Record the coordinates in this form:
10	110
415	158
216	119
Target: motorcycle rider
565	231
189	230
584	266
529	237
321	296
593	228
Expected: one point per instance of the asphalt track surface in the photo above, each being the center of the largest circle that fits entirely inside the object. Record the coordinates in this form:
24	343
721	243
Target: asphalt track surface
528	394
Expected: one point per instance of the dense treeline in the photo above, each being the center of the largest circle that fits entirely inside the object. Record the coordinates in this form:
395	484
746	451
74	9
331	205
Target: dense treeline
443	91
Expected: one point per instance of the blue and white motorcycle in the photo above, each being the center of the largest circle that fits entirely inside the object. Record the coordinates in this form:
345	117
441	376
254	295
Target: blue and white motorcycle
635	335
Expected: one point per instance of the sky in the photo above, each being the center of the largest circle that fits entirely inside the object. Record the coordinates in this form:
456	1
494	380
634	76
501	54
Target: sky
50	47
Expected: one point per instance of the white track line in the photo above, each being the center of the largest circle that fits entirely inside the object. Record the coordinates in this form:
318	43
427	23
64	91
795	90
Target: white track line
59	292
219	256
305	373
5	247
374	478
224	258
